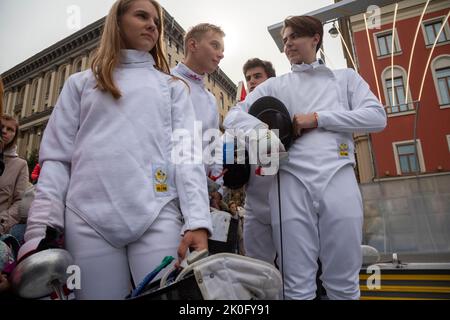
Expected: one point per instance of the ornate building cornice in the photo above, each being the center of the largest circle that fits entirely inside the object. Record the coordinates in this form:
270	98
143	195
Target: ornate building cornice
83	41
173	30
35	116
59	53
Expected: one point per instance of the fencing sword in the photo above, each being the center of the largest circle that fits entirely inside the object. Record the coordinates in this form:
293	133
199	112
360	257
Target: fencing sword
274	113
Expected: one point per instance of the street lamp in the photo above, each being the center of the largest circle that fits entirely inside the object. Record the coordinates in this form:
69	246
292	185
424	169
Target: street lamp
333	31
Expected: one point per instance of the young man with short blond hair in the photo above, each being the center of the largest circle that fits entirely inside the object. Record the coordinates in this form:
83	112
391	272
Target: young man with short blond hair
203	49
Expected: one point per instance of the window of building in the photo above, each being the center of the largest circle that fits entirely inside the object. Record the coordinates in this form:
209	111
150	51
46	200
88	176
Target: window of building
48	82
47	87
441	75
170	42
222	101
395	92
443	80
384	43
448	142
431	30
91	57
408	159
21	97
78	66
178	48
62	78
34	92
5	99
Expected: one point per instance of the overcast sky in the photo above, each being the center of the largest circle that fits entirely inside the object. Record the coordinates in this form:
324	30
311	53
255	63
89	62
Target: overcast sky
29	26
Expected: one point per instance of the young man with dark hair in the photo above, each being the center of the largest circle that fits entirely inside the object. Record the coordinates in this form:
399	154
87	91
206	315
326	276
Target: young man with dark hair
322	210
258	240
256	71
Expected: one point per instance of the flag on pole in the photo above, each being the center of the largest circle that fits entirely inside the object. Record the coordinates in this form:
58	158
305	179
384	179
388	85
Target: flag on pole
241	92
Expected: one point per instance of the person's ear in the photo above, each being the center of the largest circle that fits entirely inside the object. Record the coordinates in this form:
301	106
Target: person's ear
316	40
192	45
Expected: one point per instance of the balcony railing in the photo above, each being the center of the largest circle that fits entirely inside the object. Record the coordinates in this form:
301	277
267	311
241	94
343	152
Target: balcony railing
35	116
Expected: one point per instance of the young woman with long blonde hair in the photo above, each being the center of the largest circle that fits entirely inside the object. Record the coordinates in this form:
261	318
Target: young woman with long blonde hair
107	178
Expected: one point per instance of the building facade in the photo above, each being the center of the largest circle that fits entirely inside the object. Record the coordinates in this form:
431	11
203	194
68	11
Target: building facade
404	188
412	80
340	12
32	87
416	140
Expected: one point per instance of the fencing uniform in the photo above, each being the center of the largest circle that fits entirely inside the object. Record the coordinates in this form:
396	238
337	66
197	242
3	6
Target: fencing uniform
321	203
110	179
205	107
258	240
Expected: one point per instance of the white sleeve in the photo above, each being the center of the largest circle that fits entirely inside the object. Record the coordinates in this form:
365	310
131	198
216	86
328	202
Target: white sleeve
190	177
217	168
55	158
365	114
238	117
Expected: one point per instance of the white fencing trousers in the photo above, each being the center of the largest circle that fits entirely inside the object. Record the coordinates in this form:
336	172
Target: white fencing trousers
258	239
329	229
106	270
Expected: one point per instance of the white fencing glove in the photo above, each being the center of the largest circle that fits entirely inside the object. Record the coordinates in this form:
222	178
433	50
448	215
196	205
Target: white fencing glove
269	149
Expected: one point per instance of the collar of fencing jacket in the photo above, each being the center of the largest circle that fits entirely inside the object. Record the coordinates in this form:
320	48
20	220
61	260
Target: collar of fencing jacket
317	65
189	74
305	66
135	58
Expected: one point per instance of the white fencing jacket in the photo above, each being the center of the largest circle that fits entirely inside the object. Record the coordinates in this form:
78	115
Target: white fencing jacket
344	104
205	107
105	158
